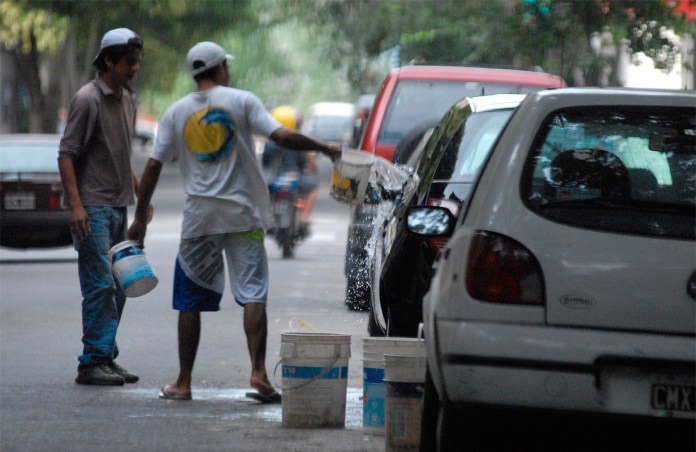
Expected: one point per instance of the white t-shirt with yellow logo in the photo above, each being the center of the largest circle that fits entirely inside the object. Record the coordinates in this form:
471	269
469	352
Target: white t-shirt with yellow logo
210	133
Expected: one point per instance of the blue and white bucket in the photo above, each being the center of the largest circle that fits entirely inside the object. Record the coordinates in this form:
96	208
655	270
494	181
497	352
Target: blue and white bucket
374	390
132	269
404	378
315	379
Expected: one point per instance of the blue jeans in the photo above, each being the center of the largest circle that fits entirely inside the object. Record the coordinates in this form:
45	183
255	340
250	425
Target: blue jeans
103	299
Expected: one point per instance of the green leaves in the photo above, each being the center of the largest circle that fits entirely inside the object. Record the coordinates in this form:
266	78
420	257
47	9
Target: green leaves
28	29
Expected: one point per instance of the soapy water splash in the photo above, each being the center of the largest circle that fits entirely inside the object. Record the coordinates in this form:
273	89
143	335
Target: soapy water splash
394	184
389	186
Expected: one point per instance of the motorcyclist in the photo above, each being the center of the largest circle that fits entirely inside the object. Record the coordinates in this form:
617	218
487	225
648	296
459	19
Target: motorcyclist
277	160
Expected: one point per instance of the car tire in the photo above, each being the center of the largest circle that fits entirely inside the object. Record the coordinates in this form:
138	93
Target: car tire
410	140
373	328
449	430
400	321
479	425
431	407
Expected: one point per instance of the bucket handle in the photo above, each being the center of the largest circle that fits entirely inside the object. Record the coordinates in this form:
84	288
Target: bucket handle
324	371
303	324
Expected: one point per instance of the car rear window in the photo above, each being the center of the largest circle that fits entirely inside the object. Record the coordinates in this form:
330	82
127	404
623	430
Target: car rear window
414	101
622	169
28	157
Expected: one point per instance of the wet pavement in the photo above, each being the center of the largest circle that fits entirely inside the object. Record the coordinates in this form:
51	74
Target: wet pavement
42	409
132	418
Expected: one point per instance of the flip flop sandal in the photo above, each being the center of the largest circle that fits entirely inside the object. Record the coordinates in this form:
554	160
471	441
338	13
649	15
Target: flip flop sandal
273	397
170	396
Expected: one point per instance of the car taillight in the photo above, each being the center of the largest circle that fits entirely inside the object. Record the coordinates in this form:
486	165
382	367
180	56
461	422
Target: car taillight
438	243
55	200
501	270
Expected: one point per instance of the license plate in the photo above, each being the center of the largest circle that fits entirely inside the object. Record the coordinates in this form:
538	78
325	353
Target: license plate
634	390
20	201
671	397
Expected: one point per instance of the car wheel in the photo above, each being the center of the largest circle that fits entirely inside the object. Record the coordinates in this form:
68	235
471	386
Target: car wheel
449	431
400	322
480	425
410	140
431	407
373	328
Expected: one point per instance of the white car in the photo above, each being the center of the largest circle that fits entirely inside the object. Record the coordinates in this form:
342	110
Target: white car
569	281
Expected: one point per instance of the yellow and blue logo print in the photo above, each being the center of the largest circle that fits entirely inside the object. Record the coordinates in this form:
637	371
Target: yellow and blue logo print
210	134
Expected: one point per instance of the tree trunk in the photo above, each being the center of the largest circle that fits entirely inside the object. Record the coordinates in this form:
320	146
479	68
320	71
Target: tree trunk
40	119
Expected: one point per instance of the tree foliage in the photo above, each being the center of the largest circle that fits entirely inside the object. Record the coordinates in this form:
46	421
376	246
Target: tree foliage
301	51
577	39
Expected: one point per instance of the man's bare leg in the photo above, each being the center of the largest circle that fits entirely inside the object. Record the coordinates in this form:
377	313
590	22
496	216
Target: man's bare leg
256	330
189	336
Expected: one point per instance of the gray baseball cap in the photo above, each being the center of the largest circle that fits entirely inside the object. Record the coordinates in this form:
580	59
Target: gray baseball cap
205	55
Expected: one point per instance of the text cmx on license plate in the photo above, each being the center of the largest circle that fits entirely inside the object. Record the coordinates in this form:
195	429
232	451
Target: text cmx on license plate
671	397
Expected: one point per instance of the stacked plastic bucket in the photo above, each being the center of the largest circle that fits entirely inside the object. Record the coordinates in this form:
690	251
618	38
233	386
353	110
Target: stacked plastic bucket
393	378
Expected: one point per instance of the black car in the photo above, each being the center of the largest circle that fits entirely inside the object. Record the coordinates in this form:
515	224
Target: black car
409	96
402	262
33	213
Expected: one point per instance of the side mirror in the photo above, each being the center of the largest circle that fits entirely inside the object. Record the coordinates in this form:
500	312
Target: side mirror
430	221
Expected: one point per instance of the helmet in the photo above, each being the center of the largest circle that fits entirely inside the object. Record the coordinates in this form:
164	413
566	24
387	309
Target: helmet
287	116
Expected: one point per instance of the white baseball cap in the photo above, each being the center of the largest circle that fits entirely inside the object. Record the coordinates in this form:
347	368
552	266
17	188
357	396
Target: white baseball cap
205	55
118	37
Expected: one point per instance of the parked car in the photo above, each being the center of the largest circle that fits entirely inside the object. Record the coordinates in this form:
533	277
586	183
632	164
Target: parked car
408	97
331	121
444	170
569	283
412	94
33	214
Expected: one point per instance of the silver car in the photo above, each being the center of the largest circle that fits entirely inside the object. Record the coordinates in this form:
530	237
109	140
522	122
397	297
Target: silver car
569	283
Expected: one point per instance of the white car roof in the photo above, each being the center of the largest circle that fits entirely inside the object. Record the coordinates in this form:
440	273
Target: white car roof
495	101
566	97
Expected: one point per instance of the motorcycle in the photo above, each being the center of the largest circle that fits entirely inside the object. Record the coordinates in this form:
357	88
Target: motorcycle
287	207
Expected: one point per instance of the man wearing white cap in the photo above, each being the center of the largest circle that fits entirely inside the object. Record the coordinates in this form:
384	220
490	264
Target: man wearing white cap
95	166
210	133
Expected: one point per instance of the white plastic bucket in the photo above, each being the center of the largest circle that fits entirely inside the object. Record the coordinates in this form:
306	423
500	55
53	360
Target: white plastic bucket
374	350
404	378
132	269
350	176
315	379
